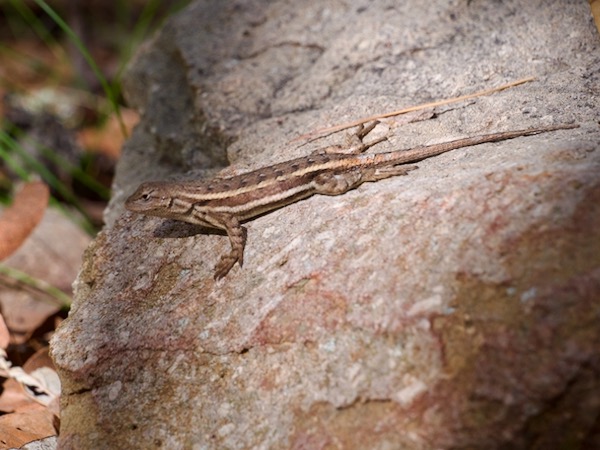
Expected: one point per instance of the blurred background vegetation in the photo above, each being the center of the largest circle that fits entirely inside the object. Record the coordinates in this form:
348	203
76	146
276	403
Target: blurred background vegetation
63	116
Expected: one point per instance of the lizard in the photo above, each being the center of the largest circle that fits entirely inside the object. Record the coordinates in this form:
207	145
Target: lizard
225	203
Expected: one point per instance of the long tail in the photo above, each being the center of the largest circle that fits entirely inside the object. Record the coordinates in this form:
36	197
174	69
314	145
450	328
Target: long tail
427	151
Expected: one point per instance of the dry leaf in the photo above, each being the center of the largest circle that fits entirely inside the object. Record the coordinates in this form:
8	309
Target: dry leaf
42	385
33	402
51	264
595	7
18	429
17	397
4	334
109	139
13	397
19	220
39	359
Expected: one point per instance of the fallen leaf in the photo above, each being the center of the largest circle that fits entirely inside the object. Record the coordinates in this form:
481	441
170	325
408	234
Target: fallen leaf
595	7
4	335
39	359
42	385
15	397
45	258
19	220
17	429
109	139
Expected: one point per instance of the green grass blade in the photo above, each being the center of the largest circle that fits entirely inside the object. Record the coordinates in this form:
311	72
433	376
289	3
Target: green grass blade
53	294
111	92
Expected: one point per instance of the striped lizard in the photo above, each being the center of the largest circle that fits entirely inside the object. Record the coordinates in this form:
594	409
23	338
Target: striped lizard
225	203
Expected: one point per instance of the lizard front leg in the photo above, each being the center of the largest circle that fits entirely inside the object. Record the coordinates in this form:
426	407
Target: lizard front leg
354	143
235	232
237	238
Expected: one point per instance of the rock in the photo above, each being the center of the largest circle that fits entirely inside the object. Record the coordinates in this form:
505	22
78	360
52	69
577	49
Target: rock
452	308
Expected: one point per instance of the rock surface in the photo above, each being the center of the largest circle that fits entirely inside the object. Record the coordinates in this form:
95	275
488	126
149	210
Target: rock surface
456	307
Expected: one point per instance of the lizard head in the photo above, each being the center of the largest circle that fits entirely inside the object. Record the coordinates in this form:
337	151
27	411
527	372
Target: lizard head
151	198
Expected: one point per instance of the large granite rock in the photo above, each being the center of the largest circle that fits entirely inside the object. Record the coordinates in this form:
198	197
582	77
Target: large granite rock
456	307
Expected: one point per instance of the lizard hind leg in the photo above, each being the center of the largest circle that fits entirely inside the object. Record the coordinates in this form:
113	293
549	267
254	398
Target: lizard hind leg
381	173
337	183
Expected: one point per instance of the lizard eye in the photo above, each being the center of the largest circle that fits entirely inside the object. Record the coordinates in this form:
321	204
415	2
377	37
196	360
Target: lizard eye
145	196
